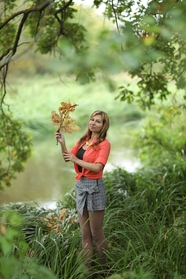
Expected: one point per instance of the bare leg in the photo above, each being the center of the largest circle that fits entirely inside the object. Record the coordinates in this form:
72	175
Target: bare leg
87	241
96	226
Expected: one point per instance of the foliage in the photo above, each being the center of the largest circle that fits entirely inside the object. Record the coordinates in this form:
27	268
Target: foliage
47	22
63	119
161	139
15	148
149	42
153	39
14	259
53	238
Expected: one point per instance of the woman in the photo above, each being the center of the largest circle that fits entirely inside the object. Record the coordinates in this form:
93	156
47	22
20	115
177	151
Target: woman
89	155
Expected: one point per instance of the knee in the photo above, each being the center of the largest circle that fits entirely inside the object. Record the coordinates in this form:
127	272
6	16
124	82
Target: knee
86	235
98	236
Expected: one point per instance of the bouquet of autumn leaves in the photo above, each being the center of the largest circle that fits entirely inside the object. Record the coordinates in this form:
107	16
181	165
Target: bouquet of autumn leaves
63	119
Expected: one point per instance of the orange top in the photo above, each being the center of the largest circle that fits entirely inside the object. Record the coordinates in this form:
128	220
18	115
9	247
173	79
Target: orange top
93	154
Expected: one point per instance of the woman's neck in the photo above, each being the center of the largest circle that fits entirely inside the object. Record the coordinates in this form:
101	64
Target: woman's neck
93	137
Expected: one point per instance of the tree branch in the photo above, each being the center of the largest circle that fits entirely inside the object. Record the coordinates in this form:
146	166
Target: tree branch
25	14
39	8
64	7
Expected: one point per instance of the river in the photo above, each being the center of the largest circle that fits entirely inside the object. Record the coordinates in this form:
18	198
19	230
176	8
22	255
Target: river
47	177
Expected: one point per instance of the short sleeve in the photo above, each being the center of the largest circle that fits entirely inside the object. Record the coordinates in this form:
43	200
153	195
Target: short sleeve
103	154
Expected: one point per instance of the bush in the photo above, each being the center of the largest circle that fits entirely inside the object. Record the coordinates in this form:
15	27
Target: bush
15	260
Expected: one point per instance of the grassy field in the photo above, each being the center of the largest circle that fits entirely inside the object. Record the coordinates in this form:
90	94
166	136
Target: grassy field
32	101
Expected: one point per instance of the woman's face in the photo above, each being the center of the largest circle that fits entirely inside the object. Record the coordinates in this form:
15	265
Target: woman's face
96	123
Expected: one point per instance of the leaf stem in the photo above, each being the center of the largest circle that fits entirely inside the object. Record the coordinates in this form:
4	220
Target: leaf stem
58	130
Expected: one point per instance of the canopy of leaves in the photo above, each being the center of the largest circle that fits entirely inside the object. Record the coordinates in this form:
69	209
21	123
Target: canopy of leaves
150	42
15	149
154	42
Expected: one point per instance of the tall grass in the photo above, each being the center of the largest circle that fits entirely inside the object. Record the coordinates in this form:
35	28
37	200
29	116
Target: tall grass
148	230
144	226
143	242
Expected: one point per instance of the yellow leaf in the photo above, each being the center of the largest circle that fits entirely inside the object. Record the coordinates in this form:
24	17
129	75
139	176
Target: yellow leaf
45	219
50	226
67	129
62	213
56	119
75	128
31	254
63	119
57	228
2	229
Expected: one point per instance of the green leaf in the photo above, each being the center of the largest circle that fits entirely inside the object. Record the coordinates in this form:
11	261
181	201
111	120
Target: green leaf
6	245
8	266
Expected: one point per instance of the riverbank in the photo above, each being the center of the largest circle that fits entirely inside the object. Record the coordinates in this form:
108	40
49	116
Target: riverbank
44	182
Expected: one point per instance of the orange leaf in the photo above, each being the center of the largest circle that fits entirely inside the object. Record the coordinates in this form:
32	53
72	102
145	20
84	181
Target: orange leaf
63	119
62	213
50	226
2	229
56	119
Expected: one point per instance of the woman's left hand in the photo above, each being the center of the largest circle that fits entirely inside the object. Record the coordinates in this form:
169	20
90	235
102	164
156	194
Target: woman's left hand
69	157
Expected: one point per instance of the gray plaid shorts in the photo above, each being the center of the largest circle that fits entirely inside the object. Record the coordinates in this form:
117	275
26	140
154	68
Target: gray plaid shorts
90	193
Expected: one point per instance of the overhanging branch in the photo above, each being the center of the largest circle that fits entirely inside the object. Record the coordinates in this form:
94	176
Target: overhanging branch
39	8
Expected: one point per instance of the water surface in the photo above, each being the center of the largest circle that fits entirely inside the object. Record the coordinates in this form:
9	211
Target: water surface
47	177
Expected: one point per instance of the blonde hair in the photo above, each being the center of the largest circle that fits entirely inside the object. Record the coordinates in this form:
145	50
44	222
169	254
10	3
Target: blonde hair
104	129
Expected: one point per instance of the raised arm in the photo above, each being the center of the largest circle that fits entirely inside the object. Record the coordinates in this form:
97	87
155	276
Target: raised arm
61	139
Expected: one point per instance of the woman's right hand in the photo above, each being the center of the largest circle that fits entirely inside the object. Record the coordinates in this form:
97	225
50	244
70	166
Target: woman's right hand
59	137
